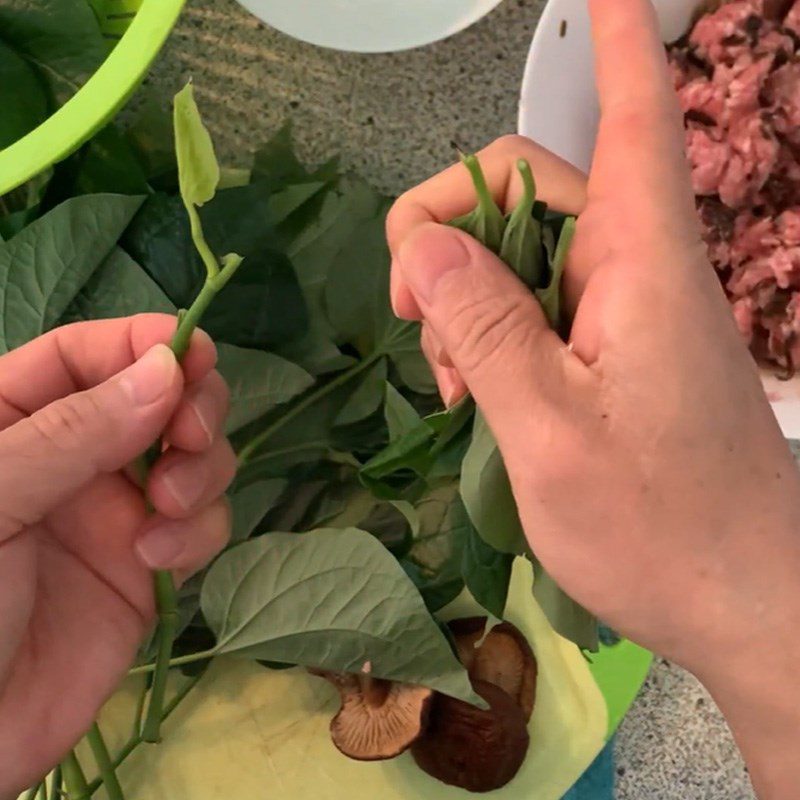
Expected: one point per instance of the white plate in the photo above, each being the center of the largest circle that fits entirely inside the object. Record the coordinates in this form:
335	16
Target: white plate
370	26
558	108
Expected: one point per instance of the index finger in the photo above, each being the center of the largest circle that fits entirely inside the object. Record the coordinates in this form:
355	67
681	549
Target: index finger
639	150
451	193
82	355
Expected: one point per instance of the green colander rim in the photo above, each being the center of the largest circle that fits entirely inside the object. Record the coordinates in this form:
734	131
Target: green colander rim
97	101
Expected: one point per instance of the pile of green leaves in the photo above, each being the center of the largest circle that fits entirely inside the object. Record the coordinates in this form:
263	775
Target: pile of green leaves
48	50
360	506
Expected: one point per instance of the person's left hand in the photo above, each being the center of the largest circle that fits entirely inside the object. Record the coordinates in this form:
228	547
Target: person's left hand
76	543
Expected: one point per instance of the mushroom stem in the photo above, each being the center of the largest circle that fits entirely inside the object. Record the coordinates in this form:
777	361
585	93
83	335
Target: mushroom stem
374	690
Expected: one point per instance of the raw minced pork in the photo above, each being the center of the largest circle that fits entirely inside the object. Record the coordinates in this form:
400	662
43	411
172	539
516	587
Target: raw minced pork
737	75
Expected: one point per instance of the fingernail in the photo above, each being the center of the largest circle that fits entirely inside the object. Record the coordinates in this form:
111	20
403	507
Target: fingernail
185	484
160	547
205	409
150	377
450	387
427	255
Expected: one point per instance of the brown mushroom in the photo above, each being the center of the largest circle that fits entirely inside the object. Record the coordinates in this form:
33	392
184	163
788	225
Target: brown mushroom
475	749
503	658
378	719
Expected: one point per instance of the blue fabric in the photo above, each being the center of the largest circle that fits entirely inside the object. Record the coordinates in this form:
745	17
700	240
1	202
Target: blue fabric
597	783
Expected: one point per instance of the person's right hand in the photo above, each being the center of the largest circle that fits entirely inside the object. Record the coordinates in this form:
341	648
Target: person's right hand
651	476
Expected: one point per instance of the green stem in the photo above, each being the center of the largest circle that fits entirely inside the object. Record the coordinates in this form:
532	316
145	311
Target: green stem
168	618
55	789
32	792
485	198
249	450
42	793
74	779
200	243
189	658
135	741
163	584
103	761
138	714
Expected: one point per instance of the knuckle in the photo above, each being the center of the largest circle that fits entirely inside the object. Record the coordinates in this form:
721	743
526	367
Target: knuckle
487	329
512	143
64	424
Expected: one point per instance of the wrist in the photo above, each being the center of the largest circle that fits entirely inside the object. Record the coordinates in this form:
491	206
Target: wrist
753	680
760	699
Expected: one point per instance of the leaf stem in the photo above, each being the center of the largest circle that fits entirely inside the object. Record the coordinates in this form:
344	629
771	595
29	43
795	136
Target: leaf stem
168	618
55	790
103	760
163	584
74	778
135	741
249	450
138	714
189	658
32	792
199	240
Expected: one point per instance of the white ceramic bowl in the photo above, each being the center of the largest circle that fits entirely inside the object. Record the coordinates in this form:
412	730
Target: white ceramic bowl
370	26
558	108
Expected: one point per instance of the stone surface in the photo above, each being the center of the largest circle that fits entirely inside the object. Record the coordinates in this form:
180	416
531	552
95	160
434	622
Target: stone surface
392	118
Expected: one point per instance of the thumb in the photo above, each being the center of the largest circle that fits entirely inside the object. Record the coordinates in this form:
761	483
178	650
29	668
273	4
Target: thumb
48	456
491	326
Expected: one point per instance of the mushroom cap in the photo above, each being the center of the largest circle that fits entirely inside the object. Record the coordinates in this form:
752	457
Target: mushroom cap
378	719
475	749
504	658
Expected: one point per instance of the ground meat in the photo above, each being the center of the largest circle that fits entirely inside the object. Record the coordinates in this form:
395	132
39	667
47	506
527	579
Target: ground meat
737	76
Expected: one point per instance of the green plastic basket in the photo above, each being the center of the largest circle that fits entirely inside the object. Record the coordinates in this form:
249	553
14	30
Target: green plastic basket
620	672
137	29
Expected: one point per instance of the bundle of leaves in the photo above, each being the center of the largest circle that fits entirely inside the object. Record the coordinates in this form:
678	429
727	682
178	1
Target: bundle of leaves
360	506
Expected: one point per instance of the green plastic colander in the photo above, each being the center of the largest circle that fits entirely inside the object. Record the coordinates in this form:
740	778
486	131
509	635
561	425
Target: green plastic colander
138	28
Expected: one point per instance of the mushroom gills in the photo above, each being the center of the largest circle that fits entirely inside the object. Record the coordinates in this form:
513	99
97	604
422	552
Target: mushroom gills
378	719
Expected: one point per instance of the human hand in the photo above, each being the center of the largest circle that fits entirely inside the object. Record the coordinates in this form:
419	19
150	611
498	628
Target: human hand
651	477
76	544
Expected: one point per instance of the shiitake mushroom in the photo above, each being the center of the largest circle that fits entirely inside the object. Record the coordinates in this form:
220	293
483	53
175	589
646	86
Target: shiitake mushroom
378	719
476	749
503	658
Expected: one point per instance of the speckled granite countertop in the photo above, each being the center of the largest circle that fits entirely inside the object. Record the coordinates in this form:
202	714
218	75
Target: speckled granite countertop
392	118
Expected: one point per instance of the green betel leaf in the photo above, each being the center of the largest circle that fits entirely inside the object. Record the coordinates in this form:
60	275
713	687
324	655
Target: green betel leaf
262	305
567	617
258	382
522	240
315	248
197	164
486	223
401	418
486	572
60	38
22	97
118	288
366	397
434	560
486	492
45	266
550	298
331	599
250	505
